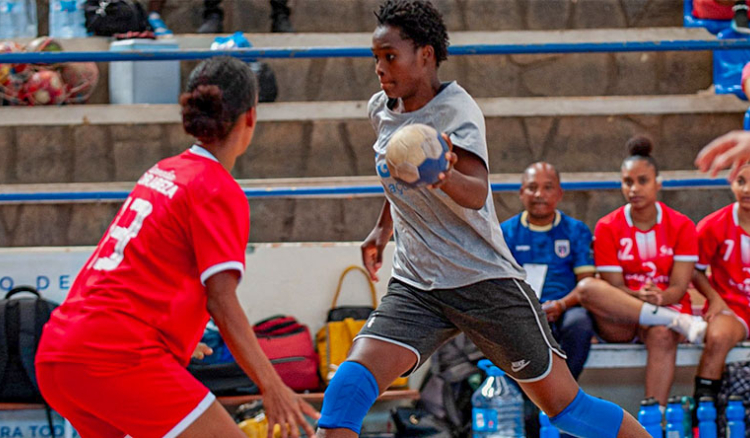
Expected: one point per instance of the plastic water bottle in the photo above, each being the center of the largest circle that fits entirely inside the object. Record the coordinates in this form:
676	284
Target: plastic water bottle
650	417
735	417
675	416
688	405
18	19
66	19
546	429
497	406
706	418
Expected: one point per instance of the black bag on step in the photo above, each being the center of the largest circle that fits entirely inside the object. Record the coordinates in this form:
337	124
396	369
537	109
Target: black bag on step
108	17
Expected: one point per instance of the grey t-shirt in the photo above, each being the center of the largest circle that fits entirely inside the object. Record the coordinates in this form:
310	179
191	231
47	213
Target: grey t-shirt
439	244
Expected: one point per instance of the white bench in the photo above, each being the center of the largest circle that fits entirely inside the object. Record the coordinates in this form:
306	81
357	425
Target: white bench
608	356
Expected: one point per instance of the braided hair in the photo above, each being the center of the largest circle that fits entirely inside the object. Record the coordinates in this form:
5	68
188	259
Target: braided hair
418	21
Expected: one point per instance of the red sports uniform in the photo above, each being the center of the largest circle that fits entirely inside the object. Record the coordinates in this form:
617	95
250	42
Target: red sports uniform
112	357
725	247
644	256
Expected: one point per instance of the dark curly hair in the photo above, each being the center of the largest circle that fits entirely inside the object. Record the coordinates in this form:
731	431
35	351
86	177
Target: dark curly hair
640	148
418	21
219	90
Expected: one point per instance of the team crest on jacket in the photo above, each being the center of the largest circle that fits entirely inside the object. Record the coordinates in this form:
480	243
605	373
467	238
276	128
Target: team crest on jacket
562	248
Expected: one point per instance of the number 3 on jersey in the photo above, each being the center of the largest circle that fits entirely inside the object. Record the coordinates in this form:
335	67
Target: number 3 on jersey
123	235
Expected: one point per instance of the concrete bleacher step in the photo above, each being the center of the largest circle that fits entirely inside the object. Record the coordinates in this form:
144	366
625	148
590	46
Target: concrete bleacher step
356	15
94	143
109	143
583	74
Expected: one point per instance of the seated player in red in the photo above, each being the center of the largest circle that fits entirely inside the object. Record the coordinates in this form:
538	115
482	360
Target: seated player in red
645	253
724	246
112	357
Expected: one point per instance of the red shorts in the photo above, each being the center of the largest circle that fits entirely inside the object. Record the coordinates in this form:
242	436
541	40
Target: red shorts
155	398
742	313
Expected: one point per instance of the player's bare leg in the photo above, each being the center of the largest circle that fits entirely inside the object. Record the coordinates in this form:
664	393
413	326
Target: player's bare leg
215	422
723	333
661	344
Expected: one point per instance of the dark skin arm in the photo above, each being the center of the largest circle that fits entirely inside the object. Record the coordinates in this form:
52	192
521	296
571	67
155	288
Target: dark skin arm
466	181
678	283
282	405
555	308
372	247
716	304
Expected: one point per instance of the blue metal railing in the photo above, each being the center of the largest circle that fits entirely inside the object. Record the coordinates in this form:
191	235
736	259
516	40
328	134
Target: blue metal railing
339	191
363	52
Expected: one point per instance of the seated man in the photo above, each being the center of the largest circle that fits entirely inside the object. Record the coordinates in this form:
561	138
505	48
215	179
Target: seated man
555	250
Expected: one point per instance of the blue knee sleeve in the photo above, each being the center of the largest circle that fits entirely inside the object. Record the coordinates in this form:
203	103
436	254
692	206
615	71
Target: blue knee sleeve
349	396
589	417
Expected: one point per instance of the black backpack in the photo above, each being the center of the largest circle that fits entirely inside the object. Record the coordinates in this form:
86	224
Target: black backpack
21	323
108	17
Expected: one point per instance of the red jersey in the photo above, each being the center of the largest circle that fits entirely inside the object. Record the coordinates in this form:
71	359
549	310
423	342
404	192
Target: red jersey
645	255
142	291
725	246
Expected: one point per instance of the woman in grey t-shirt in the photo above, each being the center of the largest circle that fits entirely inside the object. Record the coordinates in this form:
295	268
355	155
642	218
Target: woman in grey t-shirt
452	270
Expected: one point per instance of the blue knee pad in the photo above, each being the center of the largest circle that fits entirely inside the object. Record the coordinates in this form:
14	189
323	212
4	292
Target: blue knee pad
349	396
589	417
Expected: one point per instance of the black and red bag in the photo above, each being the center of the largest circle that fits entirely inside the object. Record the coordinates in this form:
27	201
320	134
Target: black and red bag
289	347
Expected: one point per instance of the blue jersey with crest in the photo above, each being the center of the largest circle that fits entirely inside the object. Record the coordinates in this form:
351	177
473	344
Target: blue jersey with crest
563	248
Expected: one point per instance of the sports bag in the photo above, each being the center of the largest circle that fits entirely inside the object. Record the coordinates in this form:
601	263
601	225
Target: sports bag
108	17
21	323
223	378
289	347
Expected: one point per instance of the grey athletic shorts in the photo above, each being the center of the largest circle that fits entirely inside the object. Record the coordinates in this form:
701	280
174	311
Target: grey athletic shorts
502	317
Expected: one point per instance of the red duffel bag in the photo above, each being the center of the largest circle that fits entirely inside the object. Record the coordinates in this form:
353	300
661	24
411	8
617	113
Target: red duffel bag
289	347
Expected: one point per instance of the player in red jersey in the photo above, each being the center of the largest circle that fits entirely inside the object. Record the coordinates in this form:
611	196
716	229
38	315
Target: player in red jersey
724	238
645	253
112	357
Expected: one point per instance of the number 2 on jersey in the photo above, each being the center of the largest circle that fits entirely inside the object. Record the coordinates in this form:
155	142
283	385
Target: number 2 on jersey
123	235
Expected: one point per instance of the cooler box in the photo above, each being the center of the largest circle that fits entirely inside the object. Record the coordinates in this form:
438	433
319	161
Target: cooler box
144	81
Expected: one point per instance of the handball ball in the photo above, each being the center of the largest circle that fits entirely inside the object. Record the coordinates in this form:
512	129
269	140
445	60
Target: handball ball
415	155
45	87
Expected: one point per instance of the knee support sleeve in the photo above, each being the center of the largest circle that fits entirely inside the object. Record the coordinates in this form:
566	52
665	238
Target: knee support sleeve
349	396
589	417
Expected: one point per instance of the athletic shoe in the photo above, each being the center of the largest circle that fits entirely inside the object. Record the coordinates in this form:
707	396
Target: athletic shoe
692	327
740	23
160	28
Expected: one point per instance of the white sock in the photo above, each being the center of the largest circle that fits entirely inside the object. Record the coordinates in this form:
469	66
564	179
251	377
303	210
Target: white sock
655	315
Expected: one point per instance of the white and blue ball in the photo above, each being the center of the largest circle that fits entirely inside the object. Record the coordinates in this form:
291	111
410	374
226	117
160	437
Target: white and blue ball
415	155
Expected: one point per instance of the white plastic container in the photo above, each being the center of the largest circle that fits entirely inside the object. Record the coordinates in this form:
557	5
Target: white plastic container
144	81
